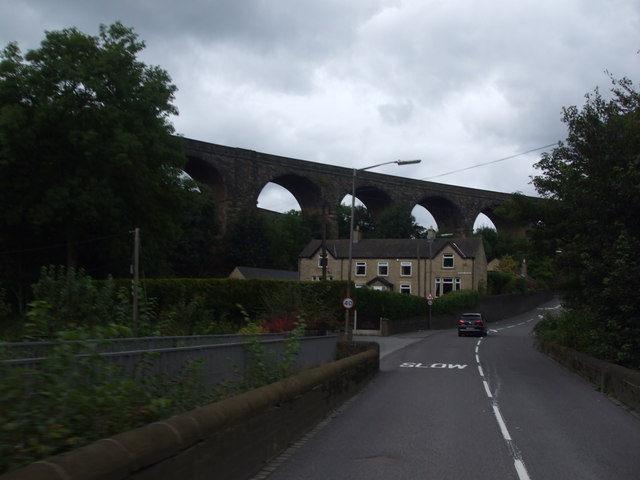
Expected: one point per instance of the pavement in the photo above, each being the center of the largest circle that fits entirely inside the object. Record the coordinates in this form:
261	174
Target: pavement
395	342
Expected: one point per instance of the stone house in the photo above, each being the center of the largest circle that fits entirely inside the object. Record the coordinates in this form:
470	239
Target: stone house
410	266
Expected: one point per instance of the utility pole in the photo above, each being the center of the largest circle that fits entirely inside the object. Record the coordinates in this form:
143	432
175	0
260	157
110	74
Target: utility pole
324	241
136	270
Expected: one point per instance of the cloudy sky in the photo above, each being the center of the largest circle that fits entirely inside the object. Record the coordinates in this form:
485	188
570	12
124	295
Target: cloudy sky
467	86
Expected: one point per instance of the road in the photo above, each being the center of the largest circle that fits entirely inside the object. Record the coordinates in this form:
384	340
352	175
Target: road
445	407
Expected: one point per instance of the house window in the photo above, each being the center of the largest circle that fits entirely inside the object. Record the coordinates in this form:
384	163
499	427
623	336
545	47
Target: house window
378	287
447	260
383	269
405	288
405	269
361	269
446	285
322	261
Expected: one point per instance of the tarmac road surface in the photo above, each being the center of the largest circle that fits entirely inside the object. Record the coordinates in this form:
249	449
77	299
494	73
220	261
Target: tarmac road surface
448	407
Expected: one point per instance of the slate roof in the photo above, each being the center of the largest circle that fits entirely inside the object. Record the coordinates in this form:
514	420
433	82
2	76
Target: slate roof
381	280
393	247
265	273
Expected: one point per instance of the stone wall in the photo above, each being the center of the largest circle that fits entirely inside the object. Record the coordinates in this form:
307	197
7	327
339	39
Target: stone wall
230	439
621	383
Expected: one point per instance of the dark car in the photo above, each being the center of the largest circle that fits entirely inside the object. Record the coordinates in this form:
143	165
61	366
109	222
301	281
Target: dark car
472	324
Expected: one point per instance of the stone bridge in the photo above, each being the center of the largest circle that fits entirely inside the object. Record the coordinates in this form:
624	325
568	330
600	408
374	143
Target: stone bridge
237	177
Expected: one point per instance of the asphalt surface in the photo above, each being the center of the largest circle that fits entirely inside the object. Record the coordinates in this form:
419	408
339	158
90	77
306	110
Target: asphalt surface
392	343
446	407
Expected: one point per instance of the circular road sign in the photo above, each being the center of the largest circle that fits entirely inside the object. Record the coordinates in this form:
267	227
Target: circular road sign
347	303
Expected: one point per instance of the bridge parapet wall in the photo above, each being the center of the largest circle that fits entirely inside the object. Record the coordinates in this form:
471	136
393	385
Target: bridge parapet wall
230	439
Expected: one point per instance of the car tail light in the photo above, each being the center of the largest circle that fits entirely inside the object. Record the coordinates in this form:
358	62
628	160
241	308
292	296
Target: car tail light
460	322
478	322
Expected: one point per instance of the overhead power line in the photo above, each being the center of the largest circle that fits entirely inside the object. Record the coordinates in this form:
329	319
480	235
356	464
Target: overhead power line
491	162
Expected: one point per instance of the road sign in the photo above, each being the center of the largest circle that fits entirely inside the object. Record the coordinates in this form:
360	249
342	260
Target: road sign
347	303
429	297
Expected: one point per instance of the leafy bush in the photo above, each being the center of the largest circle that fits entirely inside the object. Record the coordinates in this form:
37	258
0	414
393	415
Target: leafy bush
583	331
391	305
265	367
457	301
66	299
503	283
70	400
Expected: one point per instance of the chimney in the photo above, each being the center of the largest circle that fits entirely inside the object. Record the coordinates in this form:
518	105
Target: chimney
357	235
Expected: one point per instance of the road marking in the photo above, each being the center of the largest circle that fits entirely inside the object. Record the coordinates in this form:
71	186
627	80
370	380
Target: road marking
518	464
501	424
487	389
520	468
440	366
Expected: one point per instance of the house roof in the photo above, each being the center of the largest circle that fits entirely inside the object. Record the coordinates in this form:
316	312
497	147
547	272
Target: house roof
381	280
393	247
263	273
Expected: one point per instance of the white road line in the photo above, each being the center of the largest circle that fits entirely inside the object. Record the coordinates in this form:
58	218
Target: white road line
520	468
501	424
487	389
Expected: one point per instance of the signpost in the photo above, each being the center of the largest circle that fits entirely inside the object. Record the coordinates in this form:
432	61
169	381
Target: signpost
430	303
347	303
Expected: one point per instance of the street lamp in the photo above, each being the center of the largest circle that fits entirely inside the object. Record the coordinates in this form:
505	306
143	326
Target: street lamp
353	202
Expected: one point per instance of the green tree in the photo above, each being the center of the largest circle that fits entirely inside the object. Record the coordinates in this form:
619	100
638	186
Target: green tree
195	256
247	242
361	220
591	183
396	221
86	155
288	235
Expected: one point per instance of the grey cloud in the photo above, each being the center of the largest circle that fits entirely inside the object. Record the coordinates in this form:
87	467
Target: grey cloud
396	113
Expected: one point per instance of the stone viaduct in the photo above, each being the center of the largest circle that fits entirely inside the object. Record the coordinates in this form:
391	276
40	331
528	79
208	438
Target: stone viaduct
237	177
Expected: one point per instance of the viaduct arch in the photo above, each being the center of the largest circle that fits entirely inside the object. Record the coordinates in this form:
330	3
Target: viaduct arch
237	177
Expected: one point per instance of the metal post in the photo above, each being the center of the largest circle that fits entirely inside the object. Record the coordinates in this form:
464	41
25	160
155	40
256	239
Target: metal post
350	262
431	235
136	274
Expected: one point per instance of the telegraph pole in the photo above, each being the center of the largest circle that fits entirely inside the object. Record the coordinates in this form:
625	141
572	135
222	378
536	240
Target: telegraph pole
136	270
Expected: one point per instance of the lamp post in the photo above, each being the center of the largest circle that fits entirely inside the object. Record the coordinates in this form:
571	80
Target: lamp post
431	235
353	202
